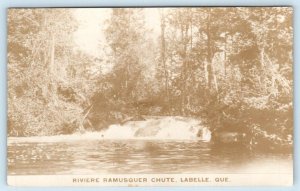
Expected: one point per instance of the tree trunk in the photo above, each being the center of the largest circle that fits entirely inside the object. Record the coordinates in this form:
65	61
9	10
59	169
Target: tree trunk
163	58
184	36
209	53
53	71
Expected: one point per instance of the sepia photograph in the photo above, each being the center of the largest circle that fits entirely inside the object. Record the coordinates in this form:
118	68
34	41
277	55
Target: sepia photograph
161	96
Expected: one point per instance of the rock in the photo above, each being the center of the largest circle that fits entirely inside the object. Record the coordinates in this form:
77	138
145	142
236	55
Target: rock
228	137
204	134
132	118
147	131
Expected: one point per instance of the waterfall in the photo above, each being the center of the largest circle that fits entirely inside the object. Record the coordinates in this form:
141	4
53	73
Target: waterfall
163	128
153	128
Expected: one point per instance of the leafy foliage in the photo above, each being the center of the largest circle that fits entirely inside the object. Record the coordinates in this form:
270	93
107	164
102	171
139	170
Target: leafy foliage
230	67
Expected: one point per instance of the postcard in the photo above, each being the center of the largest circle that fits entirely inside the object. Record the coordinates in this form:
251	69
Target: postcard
161	96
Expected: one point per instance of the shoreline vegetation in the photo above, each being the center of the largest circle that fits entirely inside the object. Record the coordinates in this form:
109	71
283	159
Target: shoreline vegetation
235	78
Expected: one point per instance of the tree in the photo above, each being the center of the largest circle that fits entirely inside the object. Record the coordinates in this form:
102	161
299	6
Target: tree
40	88
125	36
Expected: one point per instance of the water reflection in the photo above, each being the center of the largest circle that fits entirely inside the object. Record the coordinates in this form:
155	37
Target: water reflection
140	156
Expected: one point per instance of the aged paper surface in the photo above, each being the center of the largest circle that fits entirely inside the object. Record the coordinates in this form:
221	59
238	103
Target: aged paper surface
197	96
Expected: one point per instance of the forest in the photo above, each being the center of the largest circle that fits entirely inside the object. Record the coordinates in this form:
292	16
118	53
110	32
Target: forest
230	67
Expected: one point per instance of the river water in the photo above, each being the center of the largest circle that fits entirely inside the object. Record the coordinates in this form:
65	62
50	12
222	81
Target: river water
95	156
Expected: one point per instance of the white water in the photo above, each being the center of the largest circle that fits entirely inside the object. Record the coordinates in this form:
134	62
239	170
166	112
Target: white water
156	128
176	128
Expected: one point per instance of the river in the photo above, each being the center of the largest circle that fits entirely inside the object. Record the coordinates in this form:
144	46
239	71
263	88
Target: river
170	144
94	156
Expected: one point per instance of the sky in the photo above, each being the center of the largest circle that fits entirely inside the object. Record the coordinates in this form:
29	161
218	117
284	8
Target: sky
89	35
